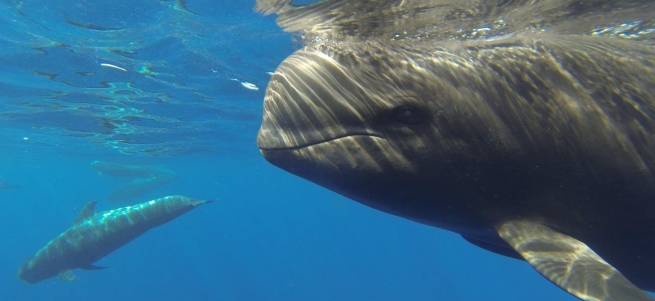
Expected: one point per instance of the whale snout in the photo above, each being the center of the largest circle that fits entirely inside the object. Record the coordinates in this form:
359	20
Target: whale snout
30	273
196	203
313	99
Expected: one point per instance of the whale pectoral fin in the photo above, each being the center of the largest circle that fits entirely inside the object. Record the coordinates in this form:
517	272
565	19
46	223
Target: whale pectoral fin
92	268
67	276
501	249
86	212
569	263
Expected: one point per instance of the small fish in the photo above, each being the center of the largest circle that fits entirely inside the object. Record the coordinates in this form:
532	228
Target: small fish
249	86
113	66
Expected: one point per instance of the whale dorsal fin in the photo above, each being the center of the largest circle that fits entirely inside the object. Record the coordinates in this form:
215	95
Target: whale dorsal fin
86	212
569	263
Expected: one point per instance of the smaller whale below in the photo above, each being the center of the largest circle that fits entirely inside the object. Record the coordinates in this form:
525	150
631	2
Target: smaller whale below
96	235
141	179
126	170
4	185
139	186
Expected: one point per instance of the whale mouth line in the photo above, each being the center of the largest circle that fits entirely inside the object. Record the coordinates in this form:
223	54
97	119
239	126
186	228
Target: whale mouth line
306	145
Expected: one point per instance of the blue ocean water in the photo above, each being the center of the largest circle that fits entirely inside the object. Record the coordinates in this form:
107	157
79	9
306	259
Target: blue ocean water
179	84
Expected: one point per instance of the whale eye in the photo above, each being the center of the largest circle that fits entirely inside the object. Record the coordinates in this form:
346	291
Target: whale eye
407	115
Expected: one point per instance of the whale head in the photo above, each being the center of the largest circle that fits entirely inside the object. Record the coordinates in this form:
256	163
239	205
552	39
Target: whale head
427	128
379	123
376	120
37	268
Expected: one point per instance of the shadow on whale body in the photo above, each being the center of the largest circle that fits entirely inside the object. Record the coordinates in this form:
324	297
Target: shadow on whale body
537	145
141	179
96	235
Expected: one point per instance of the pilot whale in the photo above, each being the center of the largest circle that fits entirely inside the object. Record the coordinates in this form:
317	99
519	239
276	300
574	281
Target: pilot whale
94	236
4	185
141	179
534	145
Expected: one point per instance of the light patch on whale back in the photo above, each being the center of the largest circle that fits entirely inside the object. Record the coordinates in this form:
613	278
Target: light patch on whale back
108	213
